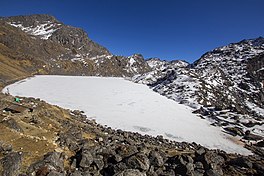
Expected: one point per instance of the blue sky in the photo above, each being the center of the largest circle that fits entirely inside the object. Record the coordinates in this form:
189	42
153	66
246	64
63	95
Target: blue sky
168	29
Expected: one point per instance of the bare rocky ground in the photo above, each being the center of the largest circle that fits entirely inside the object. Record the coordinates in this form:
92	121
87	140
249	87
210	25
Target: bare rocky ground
53	141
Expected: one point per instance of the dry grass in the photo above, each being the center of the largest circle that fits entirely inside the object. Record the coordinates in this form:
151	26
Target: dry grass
40	137
11	69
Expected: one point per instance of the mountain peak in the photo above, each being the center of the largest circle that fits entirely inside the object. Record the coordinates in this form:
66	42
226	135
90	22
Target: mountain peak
47	27
29	20
258	41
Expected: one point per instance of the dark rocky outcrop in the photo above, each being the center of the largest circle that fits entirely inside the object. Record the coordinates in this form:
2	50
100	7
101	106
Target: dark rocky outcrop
11	164
52	163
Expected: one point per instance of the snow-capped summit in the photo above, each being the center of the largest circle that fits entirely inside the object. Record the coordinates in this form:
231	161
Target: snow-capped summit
42	26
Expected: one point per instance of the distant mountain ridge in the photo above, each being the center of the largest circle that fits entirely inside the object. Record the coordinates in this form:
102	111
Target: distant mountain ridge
225	85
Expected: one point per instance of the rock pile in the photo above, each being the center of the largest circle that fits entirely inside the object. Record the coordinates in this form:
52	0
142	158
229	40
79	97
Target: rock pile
115	152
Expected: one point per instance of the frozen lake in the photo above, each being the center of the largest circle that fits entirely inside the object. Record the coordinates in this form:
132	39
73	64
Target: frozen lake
121	104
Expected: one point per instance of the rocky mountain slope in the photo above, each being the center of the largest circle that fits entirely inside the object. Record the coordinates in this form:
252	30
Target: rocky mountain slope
43	45
224	86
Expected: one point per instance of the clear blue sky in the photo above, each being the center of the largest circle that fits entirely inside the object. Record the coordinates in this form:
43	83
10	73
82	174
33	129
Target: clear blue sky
168	29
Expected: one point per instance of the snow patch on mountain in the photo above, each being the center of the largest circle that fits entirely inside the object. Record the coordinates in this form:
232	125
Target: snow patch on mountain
44	30
219	86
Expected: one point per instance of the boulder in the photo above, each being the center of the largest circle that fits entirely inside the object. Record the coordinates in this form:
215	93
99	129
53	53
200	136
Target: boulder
212	172
260	144
4	147
252	137
155	159
77	173
183	165
139	161
87	159
55	173
213	163
235	131
53	161
126	151
212	158
241	162
130	172
11	123
11	164
98	161
198	169
200	151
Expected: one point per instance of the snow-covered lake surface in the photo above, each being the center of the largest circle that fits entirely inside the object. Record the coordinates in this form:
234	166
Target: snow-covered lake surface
122	104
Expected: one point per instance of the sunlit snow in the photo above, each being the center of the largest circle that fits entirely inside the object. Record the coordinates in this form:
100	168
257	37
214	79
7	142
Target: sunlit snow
121	104
42	30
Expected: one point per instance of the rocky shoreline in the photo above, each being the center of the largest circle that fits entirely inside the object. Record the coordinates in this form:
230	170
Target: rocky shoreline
80	146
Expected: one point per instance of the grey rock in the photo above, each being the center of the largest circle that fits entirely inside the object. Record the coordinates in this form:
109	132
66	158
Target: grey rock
55	159
11	164
87	159
253	137
11	123
169	172
242	162
183	165
126	151
214	162
260	144
76	173
74	163
190	169
98	160
4	147
200	151
138	161
198	169
151	172
199	165
155	159
117	158
119	167
55	173
52	161
212	172
259	168
213	158
130	172
234	131
199	172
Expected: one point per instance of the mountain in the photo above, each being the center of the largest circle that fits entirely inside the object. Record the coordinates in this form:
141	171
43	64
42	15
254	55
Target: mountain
225	85
46	27
43	45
